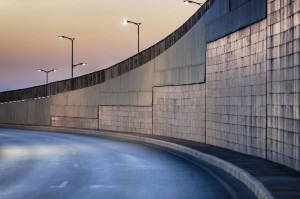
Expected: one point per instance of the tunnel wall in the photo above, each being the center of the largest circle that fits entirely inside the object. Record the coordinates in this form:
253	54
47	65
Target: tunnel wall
231	80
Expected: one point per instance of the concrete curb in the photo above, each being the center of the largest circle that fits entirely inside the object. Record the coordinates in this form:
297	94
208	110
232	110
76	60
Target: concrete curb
253	184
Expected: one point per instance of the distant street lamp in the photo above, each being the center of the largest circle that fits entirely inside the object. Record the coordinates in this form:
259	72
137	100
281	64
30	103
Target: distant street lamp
47	73
188	2
138	28
72	40
80	64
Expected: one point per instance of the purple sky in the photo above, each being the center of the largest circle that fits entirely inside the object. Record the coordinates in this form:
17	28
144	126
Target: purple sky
29	31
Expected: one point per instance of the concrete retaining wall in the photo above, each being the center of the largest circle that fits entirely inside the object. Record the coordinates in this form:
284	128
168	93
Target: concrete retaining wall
230	78
126	119
73	122
179	111
283	69
236	91
32	112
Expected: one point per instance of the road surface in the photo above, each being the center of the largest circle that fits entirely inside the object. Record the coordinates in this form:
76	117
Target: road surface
54	165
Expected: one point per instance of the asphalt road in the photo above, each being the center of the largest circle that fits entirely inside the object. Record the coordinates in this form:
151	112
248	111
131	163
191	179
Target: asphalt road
53	165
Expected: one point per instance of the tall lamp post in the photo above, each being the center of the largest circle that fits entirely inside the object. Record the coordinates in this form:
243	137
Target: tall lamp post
138	28
188	2
72	49
47	73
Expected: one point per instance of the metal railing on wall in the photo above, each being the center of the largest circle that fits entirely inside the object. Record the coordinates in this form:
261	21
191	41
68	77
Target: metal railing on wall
98	77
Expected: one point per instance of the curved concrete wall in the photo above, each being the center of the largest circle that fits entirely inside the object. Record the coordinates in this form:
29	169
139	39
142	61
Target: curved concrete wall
283	85
236	90
231	81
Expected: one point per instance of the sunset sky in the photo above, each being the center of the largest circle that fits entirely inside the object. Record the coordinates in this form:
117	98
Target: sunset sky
29	30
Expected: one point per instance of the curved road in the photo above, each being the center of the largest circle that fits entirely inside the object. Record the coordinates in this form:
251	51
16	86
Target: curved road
52	165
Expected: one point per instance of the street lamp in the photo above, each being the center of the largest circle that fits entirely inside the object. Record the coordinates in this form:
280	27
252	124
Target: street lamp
72	40
80	64
138	26
47	73
188	2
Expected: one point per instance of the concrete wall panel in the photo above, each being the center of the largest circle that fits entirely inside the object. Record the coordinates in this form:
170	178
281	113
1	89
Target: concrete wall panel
283	69
86	123
179	111
32	112
236	91
136	119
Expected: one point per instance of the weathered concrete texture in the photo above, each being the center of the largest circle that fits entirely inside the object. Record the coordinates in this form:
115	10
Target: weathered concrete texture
283	68
184	62
130	89
74	111
228	16
236	91
82	103
179	111
86	123
178	59
126	119
33	112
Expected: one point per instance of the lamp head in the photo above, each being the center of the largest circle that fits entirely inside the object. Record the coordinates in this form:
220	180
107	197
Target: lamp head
125	21
60	36
83	64
186	2
39	70
55	70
